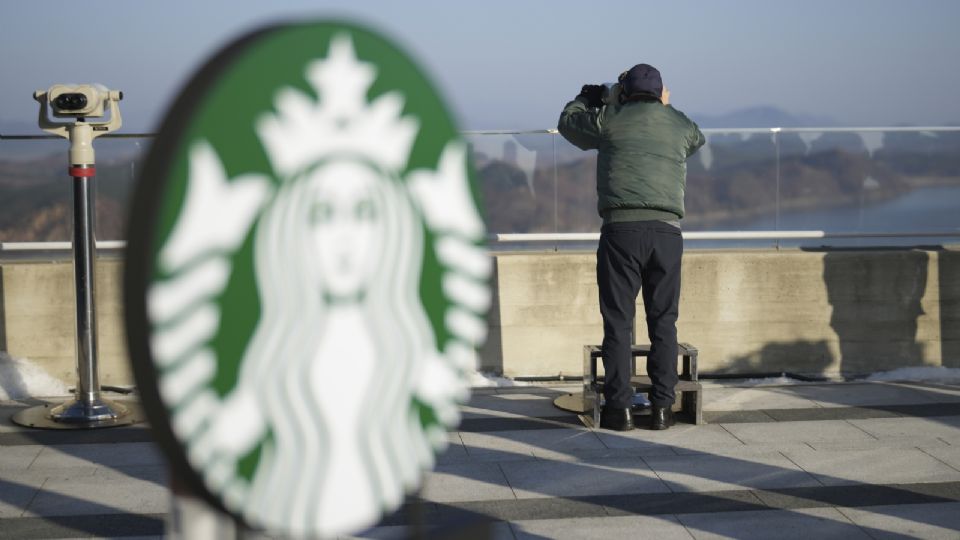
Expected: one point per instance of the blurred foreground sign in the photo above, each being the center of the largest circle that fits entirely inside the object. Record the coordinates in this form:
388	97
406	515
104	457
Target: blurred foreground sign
306	283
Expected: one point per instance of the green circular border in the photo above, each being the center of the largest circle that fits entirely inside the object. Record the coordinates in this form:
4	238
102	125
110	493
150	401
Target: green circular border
221	104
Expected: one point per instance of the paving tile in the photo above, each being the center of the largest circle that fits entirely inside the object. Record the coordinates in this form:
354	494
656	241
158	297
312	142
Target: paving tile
125	537
484	391
877	466
157	474
519	509
739	417
830	413
659	504
609	453
486	424
947	454
886	442
50	474
535	389
104	454
752	398
940	393
526	405
7	410
946	427
497	531
466	482
809	431
745	451
18	457
715	472
511	445
586	478
455	452
91	495
780	524
16	493
680	436
602	528
928	521
126	526
56	437
846	395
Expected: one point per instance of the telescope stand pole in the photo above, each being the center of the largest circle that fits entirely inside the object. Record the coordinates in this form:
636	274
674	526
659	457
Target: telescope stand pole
89	404
88	409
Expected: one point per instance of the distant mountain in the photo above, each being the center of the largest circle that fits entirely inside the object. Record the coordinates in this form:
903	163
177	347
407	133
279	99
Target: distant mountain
762	117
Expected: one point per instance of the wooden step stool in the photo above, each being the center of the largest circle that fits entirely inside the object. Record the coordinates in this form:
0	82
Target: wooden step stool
690	390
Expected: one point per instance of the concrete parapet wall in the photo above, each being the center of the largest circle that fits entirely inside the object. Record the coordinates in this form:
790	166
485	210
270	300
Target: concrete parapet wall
37	320
815	312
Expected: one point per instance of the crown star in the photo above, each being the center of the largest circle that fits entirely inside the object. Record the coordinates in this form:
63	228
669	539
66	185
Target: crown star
304	131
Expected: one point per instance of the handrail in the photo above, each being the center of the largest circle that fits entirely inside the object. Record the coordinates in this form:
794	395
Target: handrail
725	235
873	129
22	247
56	246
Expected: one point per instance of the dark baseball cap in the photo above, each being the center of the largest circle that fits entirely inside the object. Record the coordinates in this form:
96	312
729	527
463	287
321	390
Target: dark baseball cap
642	79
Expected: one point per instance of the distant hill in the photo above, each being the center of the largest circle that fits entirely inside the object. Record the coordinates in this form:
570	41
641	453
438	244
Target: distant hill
762	117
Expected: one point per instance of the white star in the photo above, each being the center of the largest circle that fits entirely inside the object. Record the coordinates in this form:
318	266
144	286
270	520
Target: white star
342	80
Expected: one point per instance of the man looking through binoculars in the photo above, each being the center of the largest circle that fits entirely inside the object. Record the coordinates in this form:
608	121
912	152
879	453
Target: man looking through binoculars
642	143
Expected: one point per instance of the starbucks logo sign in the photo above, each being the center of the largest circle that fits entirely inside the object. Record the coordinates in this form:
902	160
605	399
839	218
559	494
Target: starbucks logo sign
306	284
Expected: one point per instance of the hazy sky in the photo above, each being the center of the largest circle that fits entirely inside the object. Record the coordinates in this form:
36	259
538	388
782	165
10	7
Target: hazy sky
513	64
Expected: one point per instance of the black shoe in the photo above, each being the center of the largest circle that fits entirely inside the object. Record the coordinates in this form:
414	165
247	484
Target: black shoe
661	418
616	419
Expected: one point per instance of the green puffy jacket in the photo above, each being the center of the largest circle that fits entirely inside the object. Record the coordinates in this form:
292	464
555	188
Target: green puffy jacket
643	148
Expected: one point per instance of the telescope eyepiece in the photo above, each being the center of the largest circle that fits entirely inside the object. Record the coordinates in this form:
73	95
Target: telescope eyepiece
70	101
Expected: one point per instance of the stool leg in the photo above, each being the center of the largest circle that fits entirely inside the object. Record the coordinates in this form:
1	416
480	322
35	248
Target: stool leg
596	408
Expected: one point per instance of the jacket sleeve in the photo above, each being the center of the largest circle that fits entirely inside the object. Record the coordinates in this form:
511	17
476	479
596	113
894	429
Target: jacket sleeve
580	125
695	139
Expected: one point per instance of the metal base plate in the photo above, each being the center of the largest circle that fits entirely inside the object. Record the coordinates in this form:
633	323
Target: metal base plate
572	403
59	416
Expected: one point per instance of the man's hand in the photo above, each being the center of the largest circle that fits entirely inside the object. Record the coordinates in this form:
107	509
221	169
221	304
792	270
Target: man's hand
593	93
665	96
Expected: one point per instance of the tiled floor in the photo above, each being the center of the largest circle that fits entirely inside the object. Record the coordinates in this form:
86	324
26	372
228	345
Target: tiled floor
831	460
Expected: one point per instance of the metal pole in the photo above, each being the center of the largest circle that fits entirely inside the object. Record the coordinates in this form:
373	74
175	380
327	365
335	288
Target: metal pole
88	409
84	272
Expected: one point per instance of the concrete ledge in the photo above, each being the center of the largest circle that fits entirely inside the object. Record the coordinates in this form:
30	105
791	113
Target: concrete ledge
820	312
37	319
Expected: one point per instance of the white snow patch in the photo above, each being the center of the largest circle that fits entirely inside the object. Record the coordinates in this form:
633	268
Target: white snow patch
925	373
479	379
21	378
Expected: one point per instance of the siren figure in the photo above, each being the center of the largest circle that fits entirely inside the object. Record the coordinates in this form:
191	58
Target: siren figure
331	398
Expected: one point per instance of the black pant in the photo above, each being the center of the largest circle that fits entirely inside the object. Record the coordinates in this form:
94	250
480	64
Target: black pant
634	256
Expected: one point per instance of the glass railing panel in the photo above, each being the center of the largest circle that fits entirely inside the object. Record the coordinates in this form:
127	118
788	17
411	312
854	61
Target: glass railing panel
36	197
923	194
515	173
867	181
732	186
872	182
576	189
35	191
118	164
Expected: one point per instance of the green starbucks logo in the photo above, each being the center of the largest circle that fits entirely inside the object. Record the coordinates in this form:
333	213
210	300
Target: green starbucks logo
306	283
